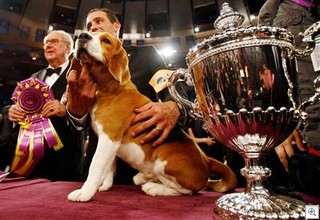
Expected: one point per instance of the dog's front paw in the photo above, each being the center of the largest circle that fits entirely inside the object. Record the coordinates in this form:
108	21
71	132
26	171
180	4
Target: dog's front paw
80	195
106	185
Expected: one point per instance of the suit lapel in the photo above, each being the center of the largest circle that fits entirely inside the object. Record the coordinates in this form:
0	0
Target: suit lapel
41	74
59	87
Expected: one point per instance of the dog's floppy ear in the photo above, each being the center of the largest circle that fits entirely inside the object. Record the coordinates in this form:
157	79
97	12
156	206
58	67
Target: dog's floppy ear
118	64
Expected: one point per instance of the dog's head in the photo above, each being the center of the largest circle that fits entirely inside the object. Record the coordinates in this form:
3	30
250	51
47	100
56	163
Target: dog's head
103	53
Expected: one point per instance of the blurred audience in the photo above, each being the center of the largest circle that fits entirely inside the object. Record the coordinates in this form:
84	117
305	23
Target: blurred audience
302	146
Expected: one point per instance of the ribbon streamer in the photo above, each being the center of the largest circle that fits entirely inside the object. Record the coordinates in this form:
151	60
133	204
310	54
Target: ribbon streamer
31	95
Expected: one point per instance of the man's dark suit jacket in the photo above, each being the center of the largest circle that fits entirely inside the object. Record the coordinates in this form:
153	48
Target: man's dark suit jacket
64	164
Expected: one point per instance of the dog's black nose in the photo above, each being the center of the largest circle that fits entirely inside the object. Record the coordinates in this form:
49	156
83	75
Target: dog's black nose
84	37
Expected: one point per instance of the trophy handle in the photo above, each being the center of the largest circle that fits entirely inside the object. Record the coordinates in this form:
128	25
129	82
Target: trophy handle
309	38
180	75
312	100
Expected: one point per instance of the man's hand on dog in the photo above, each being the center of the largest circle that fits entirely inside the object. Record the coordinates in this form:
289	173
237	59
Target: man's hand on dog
80	91
161	116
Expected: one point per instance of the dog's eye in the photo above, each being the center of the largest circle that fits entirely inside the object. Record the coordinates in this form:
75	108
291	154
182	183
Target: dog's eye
107	41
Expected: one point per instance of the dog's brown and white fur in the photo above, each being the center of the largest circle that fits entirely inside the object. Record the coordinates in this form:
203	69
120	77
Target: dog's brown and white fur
176	167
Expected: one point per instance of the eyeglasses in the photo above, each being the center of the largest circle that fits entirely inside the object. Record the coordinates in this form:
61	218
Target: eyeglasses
53	41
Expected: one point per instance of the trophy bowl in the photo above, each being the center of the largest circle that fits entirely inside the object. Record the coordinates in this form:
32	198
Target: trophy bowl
245	81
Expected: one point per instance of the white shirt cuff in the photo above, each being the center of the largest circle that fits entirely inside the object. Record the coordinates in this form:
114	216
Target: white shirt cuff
78	123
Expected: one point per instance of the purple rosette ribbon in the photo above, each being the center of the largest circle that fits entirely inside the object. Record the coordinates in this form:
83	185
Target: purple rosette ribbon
36	132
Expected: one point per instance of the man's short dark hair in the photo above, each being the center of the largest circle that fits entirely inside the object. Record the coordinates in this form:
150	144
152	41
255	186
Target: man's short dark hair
110	14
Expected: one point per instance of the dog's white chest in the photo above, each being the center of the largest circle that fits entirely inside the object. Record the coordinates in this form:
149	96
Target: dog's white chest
131	153
135	156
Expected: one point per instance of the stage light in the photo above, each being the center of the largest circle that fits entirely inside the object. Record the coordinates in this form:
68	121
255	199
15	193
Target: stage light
167	51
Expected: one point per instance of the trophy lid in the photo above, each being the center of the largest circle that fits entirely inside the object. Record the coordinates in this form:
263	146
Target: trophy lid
231	35
228	19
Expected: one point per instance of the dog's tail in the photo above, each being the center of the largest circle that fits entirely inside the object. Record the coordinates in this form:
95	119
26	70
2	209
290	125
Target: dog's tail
227	181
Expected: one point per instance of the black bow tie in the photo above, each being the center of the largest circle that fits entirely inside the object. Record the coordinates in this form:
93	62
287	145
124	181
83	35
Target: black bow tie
51	71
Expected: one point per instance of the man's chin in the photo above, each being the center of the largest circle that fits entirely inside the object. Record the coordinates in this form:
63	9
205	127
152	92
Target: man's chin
50	57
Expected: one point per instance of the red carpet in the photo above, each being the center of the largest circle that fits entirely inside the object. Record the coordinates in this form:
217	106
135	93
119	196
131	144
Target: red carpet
41	199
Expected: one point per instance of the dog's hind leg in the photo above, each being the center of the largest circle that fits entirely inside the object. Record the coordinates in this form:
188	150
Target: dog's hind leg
142	178
159	189
101	163
166	186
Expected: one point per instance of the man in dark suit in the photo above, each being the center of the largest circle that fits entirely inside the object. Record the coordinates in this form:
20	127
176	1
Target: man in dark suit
159	118
63	164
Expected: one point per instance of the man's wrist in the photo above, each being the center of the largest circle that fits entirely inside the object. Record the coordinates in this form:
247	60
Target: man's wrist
78	123
75	117
182	120
74	113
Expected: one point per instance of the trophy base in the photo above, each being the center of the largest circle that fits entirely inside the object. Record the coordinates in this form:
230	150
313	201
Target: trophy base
258	206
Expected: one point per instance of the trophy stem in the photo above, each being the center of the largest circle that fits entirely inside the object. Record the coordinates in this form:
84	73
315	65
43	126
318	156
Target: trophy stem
256	202
255	175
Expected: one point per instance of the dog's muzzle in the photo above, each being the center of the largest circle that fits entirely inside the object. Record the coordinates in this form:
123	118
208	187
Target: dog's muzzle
80	43
84	37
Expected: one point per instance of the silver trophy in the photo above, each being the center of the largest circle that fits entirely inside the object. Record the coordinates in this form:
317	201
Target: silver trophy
245	81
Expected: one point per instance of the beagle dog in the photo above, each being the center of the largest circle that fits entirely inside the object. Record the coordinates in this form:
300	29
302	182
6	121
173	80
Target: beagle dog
176	167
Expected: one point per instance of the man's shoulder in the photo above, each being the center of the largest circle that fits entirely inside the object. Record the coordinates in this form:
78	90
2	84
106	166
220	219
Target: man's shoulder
140	49
37	73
